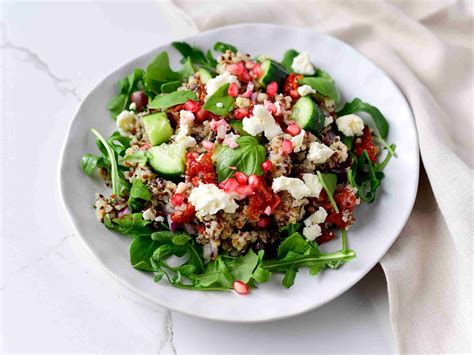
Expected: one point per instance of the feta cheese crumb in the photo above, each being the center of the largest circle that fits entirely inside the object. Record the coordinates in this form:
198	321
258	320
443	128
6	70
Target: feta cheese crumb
317	217
314	185
208	199
126	121
312	232
350	125
242	102
149	214
297	141
319	152
215	83
302	64
133	106
306	90
186	119
219	104
328	120
294	186
261	121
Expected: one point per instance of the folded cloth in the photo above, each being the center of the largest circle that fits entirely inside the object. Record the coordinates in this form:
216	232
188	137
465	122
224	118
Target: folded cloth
427	49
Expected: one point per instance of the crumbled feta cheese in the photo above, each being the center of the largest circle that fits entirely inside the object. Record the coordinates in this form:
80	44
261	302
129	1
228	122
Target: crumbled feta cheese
149	214
219	104
133	106
328	120
126	121
159	219
261	97
242	102
305	90
319	152
302	64
186	119
313	184
312	232
330	104
222	79
297	141
261	121
208	199
350	125
340	149
317	217
294	186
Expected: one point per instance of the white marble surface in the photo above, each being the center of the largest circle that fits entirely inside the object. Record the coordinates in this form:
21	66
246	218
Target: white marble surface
54	297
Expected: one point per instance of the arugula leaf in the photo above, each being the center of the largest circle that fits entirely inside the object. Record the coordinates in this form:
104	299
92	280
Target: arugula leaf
196	56
357	105
323	86
290	229
215	275
172	99
329	182
288	57
290	276
127	85
247	158
89	163
223	47
138	193
140	157
132	225
220	103
293	243
242	268
118	143
141	251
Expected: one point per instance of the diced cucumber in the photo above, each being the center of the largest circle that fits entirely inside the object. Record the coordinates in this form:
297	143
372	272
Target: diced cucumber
168	160
308	115
204	75
272	71
157	127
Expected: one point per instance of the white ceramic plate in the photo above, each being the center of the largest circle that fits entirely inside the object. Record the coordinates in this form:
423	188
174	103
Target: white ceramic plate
378	224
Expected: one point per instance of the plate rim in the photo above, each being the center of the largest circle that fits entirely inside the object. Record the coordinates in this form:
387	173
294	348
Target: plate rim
124	282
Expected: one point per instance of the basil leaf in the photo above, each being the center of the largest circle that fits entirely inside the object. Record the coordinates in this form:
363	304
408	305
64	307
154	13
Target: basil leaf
288	57
172	99
132	225
141	251
223	47
247	158
357	105
220	103
329	182
323	86
89	163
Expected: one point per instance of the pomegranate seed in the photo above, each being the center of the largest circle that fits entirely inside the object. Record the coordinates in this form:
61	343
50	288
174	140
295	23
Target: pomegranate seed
294	94
229	185
177	199
272	89
254	180
241	177
267	165
250	65
244	190
293	129
235	69
191	105
241	113
208	145
256	70
240	287
268	211
245	76
248	93
286	147
233	90
270	106
263	222
145	146
202	115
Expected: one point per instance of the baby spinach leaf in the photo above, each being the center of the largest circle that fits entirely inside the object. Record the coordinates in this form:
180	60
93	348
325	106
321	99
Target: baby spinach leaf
171	86
141	251
89	163
357	105
195	55
172	99
220	103
223	47
132	225
319	73
323	86
329	182
288	57
247	158
159	69
127	85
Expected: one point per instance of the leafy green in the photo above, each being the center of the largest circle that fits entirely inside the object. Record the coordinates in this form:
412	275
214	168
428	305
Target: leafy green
323	86
289	229
138	194
196	56
242	268
132	225
170	87
118	143
319	73
140	157
223	47
89	163
172	99
329	182
141	251
220	103
247	158
357	105
288	57
127	85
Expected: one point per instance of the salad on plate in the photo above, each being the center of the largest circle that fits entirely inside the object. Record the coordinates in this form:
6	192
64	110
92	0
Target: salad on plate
235	168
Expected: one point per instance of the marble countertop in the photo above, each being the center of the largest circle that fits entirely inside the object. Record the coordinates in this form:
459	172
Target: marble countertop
54	297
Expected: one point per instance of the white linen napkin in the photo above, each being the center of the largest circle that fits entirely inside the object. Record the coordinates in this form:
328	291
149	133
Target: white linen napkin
427	49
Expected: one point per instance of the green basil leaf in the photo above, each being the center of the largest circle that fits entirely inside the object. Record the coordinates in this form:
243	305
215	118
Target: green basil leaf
141	251
89	163
220	103
132	225
247	158
223	47
172	99
323	86
288	57
357	105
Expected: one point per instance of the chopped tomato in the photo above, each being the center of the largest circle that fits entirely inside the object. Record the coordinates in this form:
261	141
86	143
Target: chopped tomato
290	88
326	236
200	171
260	200
365	143
184	216
346	200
